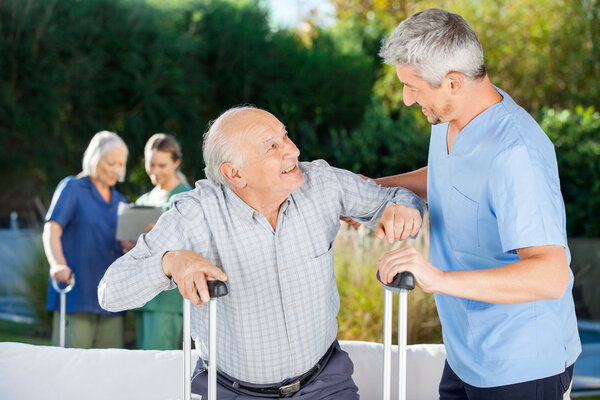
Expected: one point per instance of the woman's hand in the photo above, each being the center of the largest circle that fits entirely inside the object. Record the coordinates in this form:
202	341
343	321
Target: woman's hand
127	245
148	228
61	273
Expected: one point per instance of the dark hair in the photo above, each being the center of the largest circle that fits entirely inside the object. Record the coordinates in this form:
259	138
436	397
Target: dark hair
164	142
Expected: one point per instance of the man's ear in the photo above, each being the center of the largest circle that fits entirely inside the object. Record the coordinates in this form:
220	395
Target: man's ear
232	174
455	82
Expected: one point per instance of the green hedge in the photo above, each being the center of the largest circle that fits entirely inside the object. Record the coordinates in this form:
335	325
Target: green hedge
70	68
576	137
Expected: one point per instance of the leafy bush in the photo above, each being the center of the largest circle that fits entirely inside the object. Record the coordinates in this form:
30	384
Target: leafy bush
383	145
72	68
576	137
35	288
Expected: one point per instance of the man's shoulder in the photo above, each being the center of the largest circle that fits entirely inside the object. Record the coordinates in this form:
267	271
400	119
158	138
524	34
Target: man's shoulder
203	193
316	173
315	165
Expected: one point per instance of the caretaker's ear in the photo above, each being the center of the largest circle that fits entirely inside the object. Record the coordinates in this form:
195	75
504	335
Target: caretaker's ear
455	81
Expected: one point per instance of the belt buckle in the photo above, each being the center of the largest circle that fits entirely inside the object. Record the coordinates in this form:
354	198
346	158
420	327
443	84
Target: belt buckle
289	388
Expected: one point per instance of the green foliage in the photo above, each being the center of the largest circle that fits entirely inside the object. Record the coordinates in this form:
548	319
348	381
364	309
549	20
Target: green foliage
35	288
545	53
72	68
383	145
576	137
361	295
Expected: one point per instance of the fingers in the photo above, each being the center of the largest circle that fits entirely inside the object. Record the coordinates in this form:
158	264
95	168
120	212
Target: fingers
215	274
61	273
395	262
398	223
400	232
190	271
391	227
350	222
201	289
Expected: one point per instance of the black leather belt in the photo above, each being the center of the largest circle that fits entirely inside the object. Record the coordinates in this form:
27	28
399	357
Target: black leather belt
282	390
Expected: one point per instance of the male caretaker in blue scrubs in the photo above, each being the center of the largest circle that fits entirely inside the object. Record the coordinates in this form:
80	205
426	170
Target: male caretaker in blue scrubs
499	258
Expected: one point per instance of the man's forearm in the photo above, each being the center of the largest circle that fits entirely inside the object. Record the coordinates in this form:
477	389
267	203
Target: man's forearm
130	283
537	277
415	181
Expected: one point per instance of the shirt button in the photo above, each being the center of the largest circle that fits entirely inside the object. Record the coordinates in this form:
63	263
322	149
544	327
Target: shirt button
298	372
290	306
251	225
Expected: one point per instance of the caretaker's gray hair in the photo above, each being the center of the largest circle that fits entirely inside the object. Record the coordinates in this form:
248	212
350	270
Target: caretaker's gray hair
221	146
100	144
435	42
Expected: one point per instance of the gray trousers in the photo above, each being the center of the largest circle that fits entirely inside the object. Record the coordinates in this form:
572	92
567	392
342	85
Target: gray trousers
332	380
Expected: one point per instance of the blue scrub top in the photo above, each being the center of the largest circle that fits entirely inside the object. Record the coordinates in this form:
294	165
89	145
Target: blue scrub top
498	191
88	239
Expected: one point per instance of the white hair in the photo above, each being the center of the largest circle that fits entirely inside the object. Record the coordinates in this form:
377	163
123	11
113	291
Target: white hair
100	144
221	146
435	42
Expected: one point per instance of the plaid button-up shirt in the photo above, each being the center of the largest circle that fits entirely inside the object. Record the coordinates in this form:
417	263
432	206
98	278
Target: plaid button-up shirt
279	317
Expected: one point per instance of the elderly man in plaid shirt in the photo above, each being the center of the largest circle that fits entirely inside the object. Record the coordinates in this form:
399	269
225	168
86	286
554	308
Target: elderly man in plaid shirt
265	223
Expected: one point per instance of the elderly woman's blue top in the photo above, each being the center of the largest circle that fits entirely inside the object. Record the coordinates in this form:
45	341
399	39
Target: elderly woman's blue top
88	239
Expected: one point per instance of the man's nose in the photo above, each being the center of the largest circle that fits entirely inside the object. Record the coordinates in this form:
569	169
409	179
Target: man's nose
291	150
406	96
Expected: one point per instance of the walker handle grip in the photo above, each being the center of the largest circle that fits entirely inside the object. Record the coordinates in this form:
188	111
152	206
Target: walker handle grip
217	289
402	281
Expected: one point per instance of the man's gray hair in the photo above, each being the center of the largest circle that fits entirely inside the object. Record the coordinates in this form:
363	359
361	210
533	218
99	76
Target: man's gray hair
221	146
100	144
435	42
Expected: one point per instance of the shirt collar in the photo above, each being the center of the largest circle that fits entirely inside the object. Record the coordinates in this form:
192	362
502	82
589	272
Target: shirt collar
243	210
90	185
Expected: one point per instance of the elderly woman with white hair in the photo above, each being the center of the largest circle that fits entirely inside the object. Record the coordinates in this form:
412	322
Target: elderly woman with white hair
79	238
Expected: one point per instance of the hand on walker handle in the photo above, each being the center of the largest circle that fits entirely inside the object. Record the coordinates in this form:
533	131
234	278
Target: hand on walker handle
190	271
61	273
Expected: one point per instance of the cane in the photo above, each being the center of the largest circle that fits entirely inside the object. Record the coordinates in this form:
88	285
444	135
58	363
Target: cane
402	284
63	305
216	289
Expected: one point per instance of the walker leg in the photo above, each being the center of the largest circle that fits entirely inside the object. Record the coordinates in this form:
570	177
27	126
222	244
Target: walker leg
387	343
212	363
402	333
63	319
401	284
187	350
216	289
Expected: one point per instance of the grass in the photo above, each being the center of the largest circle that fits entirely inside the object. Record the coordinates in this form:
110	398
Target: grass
22	333
361	295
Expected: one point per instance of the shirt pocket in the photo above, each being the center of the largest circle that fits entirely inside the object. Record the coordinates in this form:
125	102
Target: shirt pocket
502	331
322	283
461	216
